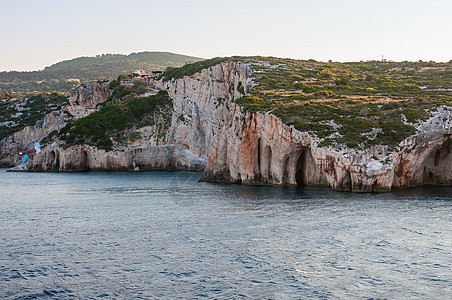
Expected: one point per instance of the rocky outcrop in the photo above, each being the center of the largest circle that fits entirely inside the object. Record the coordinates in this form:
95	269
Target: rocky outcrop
208	131
428	164
12	146
255	148
83	100
200	105
89	158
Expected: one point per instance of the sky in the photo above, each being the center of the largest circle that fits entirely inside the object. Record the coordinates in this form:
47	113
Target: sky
36	34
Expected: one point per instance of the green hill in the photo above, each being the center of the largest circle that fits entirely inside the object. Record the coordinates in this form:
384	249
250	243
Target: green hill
106	66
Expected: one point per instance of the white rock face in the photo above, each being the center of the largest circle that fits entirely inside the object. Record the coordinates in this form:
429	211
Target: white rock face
255	148
82	101
89	158
201	103
207	127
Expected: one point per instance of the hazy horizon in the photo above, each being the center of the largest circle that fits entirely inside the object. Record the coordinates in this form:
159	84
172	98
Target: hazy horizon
376	58
43	33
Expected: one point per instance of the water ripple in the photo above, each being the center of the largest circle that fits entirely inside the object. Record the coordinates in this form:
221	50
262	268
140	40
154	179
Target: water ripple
165	236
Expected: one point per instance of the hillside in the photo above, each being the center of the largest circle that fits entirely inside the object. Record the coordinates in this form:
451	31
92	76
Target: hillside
107	66
359	104
17	114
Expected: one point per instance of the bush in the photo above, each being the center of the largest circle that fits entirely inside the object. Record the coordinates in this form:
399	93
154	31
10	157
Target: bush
253	103
325	74
342	81
139	87
394	132
325	93
134	135
412	115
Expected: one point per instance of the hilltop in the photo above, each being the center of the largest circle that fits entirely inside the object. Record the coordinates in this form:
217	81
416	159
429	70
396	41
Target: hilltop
60	77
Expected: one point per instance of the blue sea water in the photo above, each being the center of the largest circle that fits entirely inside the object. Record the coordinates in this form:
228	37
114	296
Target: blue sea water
163	235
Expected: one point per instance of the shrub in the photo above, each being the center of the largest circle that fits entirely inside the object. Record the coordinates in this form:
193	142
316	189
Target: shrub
139	87
394	132
342	81
325	74
412	115
134	135
253	103
309	89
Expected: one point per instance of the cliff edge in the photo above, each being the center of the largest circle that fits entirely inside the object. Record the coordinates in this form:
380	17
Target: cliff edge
257	121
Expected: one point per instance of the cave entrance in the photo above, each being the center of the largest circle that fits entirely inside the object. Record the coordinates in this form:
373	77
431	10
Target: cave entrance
300	170
51	157
84	162
437	168
347	182
53	161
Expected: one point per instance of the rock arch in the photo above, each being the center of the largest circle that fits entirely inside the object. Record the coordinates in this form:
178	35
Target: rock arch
437	166
298	168
53	161
344	181
346	184
84	161
51	157
301	170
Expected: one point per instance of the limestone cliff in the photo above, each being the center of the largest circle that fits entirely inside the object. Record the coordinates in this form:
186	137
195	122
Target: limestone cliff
83	100
209	130
200	104
89	158
256	148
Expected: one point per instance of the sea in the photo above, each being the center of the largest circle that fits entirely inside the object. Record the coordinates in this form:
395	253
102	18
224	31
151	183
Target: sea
164	235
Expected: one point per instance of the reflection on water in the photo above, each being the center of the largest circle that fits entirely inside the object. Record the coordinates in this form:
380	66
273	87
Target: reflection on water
164	235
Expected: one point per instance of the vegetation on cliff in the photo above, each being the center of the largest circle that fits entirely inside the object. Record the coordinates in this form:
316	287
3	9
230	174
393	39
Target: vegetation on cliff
358	104
15	115
190	69
116	120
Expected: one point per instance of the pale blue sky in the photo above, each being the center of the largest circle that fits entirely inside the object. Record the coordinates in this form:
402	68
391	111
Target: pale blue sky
36	34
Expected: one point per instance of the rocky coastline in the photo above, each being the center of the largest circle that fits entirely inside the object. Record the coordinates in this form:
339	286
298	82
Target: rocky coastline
209	132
